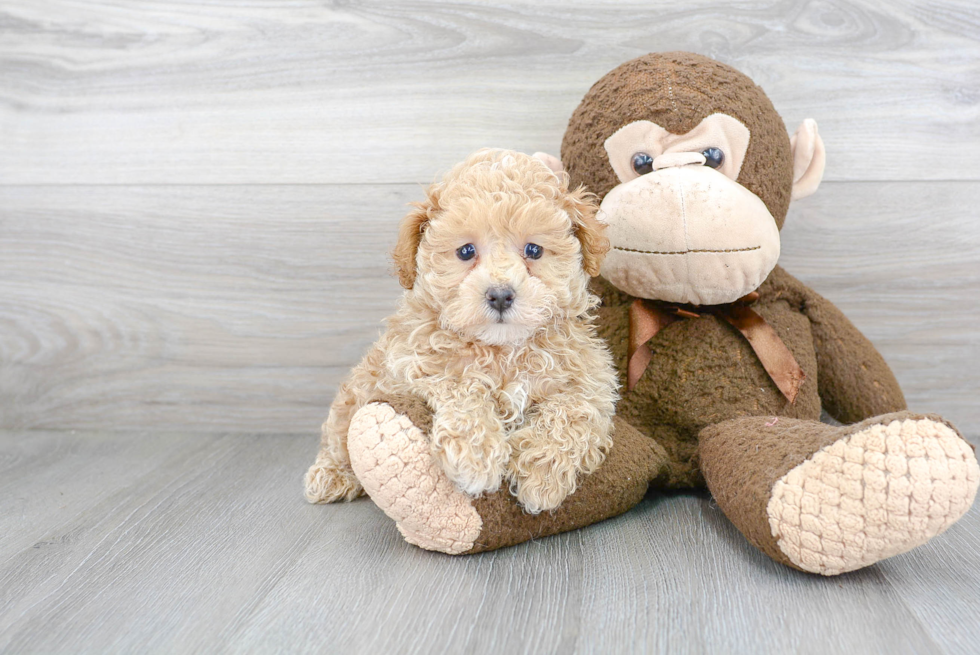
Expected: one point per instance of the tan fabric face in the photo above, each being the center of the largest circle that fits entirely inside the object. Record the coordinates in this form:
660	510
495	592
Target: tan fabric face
715	131
671	159
677	90
687	235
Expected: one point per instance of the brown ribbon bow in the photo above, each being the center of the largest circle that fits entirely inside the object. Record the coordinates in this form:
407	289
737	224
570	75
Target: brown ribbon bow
647	317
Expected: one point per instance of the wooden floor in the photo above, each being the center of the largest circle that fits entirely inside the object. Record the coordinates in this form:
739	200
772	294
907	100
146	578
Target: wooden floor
138	543
197	199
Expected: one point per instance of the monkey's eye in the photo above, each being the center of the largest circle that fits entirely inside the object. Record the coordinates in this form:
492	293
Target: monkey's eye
642	163
533	251
713	157
467	252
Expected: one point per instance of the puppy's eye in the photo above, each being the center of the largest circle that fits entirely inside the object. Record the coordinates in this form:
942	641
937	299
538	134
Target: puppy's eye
467	252
642	163
533	251
713	157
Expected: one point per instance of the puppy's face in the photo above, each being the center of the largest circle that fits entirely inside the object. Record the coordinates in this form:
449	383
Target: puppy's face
500	267
503	249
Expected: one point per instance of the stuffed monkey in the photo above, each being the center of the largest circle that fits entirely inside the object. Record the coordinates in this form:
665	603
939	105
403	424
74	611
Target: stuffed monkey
725	360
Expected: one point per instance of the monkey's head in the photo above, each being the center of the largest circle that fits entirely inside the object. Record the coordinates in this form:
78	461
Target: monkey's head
695	171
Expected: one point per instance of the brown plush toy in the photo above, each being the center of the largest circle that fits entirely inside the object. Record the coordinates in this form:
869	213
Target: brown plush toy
725	359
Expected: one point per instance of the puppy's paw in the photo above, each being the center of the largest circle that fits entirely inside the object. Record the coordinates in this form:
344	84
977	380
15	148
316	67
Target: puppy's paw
474	470
542	472
476	463
552	453
542	481
326	482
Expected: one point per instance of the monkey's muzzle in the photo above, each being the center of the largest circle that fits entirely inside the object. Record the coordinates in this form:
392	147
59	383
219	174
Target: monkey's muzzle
688	234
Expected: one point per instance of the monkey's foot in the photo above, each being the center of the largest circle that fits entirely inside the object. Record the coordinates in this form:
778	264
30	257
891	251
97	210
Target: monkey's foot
872	494
392	459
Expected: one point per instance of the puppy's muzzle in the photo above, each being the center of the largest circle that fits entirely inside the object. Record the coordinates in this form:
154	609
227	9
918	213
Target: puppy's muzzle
500	298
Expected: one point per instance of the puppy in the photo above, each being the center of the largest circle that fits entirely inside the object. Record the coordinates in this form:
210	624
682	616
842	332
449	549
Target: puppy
495	333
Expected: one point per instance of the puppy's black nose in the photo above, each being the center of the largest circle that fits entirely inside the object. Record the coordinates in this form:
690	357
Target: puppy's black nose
500	298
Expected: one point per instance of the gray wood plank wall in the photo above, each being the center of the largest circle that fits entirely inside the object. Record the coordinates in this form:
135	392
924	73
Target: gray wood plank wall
197	199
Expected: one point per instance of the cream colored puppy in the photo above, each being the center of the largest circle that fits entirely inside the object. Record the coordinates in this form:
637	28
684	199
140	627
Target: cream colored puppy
495	333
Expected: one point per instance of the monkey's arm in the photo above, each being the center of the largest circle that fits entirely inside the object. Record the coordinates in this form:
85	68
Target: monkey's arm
853	379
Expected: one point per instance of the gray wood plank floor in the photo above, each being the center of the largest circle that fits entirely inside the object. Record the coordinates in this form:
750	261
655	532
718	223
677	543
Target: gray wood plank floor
203	543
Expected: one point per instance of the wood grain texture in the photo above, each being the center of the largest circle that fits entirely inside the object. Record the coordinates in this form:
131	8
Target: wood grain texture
231	307
203	543
242	308
241	91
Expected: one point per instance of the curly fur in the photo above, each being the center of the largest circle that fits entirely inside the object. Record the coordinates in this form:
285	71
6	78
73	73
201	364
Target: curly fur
525	397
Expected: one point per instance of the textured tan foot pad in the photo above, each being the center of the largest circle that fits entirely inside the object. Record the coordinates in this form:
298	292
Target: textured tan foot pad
392	460
873	494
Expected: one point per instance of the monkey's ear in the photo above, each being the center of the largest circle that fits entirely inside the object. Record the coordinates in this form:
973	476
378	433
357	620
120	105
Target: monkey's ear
550	161
410	236
809	159
581	207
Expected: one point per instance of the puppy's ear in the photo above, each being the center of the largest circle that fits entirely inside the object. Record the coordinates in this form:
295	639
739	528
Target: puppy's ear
581	207
410	235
